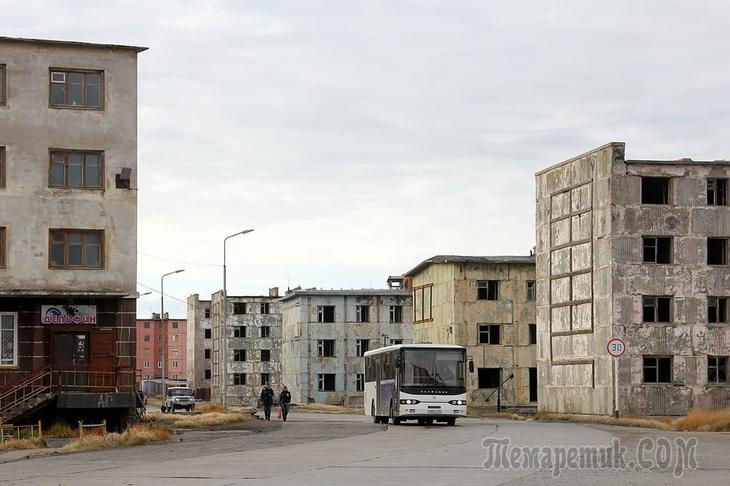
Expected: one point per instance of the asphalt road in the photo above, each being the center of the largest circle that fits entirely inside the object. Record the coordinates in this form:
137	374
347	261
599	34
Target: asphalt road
348	449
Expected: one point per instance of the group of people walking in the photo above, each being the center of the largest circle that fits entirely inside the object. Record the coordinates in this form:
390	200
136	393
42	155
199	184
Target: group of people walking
267	399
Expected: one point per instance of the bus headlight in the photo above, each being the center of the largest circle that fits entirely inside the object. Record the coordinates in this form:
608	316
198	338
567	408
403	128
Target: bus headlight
409	401
457	402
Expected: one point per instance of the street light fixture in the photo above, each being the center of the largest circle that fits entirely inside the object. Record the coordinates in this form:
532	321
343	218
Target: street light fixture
224	332
162	325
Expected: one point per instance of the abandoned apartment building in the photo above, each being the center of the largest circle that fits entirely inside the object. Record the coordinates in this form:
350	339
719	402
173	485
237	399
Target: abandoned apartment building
158	341
325	334
486	304
68	231
637	250
245	351
199	346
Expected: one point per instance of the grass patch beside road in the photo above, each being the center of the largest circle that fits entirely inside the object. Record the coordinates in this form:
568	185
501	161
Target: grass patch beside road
199	420
22	444
325	408
696	420
137	435
705	421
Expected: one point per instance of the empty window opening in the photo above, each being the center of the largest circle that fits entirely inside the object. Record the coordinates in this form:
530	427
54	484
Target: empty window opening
239	355
489	334
396	313
531	291
363	346
239	332
489	377
326	347
362	313
655	190
717	192
265	355
488	289
326	313
716	369
360	383
239	378
239	307
326	382
717	251
265	331
533	333
657	249
657	369
717	310
265	308
657	309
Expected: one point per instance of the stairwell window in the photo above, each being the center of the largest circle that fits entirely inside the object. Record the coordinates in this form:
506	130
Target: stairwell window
8	339
75	248
2	167
76	88
2	247
3	89
76	169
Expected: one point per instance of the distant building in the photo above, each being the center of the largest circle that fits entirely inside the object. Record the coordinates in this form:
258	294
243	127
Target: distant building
487	304
155	341
249	355
200	346
636	250
68	230
326	332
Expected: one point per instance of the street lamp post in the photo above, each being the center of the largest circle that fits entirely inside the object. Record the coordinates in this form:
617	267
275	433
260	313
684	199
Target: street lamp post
222	353
162	329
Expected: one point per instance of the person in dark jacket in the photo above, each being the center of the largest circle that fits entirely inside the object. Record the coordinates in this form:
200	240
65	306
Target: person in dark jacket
267	398
284	401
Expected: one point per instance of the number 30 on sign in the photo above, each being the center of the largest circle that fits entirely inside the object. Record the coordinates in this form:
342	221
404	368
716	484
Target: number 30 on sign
616	347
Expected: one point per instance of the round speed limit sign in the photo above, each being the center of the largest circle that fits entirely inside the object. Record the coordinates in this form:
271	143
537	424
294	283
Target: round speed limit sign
616	347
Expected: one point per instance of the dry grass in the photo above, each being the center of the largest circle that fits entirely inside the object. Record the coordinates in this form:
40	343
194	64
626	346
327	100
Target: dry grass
210	407
503	415
61	431
199	420
705	421
326	408
137	435
646	422
21	444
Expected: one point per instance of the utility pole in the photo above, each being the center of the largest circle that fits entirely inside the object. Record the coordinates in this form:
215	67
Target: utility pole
163	329
223	352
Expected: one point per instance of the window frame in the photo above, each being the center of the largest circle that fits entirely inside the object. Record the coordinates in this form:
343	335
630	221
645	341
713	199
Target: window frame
3	85
486	286
240	378
3	247
66	153
207	352
531	291
490	370
395	314
261	355
655	299
265	308
359	382
84	72
359	347
14	363
721	362
719	191
655	366
239	305
668	194
240	330
84	232
531	334
322	382
237	355
3	169
483	329
208	333
321	317
724	251
265	334
323	345
646	243
359	317
720	305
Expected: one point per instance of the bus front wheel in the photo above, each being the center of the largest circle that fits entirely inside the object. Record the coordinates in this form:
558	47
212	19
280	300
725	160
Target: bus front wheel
451	421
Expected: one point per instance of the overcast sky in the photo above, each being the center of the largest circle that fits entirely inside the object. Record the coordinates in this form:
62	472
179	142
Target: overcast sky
359	138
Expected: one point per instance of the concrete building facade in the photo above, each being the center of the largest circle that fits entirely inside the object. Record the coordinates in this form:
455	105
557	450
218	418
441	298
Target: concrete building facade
200	346
487	304
636	250
250	354
326	332
68	224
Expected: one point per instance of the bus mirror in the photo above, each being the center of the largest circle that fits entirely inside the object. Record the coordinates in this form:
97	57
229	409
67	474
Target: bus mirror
471	366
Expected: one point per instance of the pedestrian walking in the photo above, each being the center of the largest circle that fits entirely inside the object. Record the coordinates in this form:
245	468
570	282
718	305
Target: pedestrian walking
284	401
267	399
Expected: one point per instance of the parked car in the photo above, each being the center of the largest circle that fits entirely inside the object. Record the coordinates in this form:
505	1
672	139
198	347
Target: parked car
177	398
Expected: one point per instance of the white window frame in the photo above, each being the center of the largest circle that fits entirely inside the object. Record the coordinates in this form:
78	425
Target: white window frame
14	364
146	365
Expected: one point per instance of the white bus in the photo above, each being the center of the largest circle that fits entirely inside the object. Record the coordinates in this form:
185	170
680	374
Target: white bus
423	382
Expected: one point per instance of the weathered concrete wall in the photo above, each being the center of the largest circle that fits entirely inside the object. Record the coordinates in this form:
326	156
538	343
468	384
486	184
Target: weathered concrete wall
253	343
301	365
574	276
457	314
28	129
576	372
197	343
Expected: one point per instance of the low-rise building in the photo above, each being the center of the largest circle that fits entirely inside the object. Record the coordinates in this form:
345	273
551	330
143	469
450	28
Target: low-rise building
486	304
635	250
325	334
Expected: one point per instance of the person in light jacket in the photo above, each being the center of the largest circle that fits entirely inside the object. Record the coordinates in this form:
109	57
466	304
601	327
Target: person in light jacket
284	401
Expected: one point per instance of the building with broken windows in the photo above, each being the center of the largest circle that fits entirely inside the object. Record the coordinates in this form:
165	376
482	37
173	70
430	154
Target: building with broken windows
199	346
245	346
636	250
487	304
325	334
68	231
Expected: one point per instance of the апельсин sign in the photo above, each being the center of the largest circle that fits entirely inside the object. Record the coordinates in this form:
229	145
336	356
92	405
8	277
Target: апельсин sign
68	314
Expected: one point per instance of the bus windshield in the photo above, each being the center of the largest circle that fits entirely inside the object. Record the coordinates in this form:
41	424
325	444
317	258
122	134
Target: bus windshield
433	367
